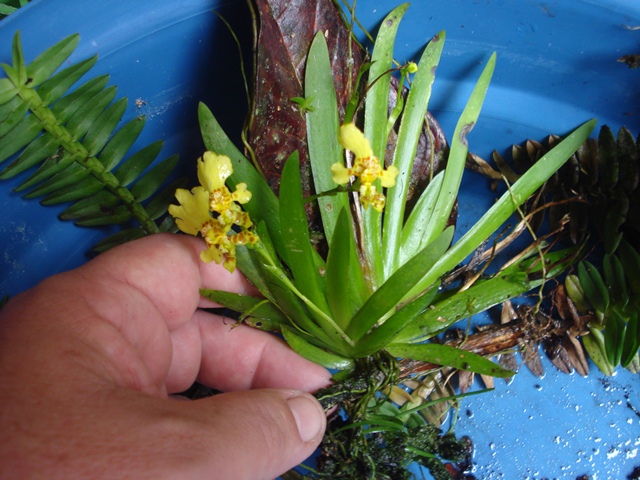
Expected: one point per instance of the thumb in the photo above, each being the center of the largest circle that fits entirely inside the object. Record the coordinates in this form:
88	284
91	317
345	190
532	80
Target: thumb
256	434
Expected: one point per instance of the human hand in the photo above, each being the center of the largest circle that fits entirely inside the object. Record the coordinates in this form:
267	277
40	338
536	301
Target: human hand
89	358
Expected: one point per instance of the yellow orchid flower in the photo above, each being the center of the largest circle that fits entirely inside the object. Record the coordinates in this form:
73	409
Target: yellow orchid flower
213	211
366	167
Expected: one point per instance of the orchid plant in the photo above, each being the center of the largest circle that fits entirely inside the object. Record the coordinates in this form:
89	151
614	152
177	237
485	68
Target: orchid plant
377	294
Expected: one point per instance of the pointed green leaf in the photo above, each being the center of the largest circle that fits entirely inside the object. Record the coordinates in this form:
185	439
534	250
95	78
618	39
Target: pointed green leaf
150	182
594	345
631	261
69	176
11	113
69	106
346	287
121	142
115	216
506	205
37	151
414	230
411	126
258	309
615	281
322	132
614	333
25	131
8	90
391	292
449	356
50	60
84	188
384	334
17	60
51	166
128	171
87	115
376	110
293	221
631	341
315	354
103	127
103	200
52	89
593	285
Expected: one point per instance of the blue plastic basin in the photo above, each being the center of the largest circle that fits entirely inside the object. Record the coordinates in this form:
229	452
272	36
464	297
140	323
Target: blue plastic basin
557	67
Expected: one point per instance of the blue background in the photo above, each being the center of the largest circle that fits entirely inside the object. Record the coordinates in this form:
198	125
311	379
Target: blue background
556	68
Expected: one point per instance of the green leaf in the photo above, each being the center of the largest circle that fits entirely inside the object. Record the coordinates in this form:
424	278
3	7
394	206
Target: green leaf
71	175
121	143
322	132
613	337
128	171
594	345
11	113
315	354
391	292
593	285
631	260
90	206
631	341
346	287
293	221
17	60
512	282
412	124
501	210
8	90
52	89
84	188
414	231
258	310
69	106
449	356
615	281
25	131
37	151
50	60
105	124
114	216
376	108
151	181
87	115
384	334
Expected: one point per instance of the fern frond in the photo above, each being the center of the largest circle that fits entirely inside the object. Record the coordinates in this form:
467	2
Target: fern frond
75	141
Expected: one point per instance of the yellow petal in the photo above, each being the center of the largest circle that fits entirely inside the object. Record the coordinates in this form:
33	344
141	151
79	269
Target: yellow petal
213	170
353	139
341	174
193	211
388	177
211	254
241	195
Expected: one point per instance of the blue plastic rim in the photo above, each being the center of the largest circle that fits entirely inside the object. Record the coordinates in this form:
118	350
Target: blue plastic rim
557	67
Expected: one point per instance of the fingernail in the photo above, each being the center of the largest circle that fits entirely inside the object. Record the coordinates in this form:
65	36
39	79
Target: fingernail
309	416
